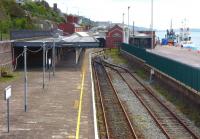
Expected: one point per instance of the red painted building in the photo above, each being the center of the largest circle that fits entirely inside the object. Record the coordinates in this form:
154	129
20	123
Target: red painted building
68	28
114	37
71	26
72	19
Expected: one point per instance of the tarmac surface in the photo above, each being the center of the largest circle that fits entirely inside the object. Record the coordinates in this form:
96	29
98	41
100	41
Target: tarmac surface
183	55
63	110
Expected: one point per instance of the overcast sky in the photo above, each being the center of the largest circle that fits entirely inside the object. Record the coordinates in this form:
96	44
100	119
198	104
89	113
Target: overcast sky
140	11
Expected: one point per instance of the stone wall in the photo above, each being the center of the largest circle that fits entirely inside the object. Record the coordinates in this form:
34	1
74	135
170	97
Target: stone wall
5	56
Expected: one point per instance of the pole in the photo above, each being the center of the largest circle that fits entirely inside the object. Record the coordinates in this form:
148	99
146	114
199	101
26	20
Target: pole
1	36
25	78
46	62
43	63
128	15
128	25
152	35
8	116
49	66
123	19
53	62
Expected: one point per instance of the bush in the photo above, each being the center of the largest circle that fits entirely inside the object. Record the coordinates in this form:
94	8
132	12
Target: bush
5	25
5	72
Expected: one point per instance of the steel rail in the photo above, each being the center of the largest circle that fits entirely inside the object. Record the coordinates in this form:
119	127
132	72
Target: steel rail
145	106
101	99
151	93
123	108
121	105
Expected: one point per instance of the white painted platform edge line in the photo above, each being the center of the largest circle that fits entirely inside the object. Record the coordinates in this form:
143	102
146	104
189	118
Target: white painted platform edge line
93	101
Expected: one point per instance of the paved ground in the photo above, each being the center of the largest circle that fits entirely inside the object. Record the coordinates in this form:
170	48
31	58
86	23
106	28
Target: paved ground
53	113
183	55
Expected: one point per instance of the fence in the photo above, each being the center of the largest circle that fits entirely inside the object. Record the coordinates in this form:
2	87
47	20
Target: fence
184	73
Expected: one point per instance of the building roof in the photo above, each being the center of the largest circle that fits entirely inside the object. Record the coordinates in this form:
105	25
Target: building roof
76	25
141	35
114	27
79	37
82	34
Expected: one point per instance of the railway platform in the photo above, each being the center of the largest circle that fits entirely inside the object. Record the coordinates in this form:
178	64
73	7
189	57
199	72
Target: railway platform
63	110
183	55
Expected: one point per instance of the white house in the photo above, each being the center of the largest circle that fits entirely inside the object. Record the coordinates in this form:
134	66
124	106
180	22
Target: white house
21	2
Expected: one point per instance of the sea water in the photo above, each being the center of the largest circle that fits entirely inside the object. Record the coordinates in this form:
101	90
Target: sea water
194	35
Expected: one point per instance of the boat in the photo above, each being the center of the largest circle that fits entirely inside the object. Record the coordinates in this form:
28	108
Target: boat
170	37
184	36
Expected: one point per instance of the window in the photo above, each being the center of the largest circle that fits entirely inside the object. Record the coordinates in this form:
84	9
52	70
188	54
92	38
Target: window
116	35
116	43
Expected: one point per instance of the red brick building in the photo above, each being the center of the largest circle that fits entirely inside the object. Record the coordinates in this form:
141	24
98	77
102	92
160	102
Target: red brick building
114	37
71	26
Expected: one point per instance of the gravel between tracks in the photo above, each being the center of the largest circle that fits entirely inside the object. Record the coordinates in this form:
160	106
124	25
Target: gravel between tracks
139	116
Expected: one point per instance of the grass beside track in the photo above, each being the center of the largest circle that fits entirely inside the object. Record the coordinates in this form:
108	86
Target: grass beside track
10	77
192	114
114	54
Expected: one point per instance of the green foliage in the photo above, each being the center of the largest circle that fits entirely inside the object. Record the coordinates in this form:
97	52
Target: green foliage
16	11
40	10
5	25
12	8
14	16
22	23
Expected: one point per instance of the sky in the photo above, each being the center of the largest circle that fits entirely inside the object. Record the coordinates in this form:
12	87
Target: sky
140	11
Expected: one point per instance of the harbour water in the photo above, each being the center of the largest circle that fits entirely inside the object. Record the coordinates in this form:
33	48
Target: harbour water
194	35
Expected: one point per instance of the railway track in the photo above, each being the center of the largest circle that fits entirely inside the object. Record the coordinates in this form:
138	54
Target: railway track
172	126
116	120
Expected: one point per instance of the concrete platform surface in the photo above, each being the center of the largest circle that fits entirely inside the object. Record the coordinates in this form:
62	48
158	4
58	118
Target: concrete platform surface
63	110
183	55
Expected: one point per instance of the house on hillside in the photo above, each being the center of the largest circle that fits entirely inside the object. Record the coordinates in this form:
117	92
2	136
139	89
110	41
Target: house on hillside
71	26
20	2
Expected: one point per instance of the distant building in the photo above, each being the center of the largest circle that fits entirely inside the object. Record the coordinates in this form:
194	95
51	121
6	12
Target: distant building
103	23
143	39
71	26
114	37
20	2
55	7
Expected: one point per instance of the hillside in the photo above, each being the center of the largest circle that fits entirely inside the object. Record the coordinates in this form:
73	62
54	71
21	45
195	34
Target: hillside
31	15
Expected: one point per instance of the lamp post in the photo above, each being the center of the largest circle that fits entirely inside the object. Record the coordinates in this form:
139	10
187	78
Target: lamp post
128	15
128	25
43	65
25	78
123	19
152	35
53	58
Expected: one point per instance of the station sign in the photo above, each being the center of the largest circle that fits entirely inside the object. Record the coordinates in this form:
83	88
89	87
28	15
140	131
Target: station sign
7	92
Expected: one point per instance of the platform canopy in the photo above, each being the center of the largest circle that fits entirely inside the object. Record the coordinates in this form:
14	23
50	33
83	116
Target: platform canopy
78	39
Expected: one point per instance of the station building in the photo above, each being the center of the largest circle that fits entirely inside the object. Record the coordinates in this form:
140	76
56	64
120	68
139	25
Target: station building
114	37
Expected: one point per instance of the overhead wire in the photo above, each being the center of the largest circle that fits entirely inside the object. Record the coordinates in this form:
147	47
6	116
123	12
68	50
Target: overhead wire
36	51
21	54
16	60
